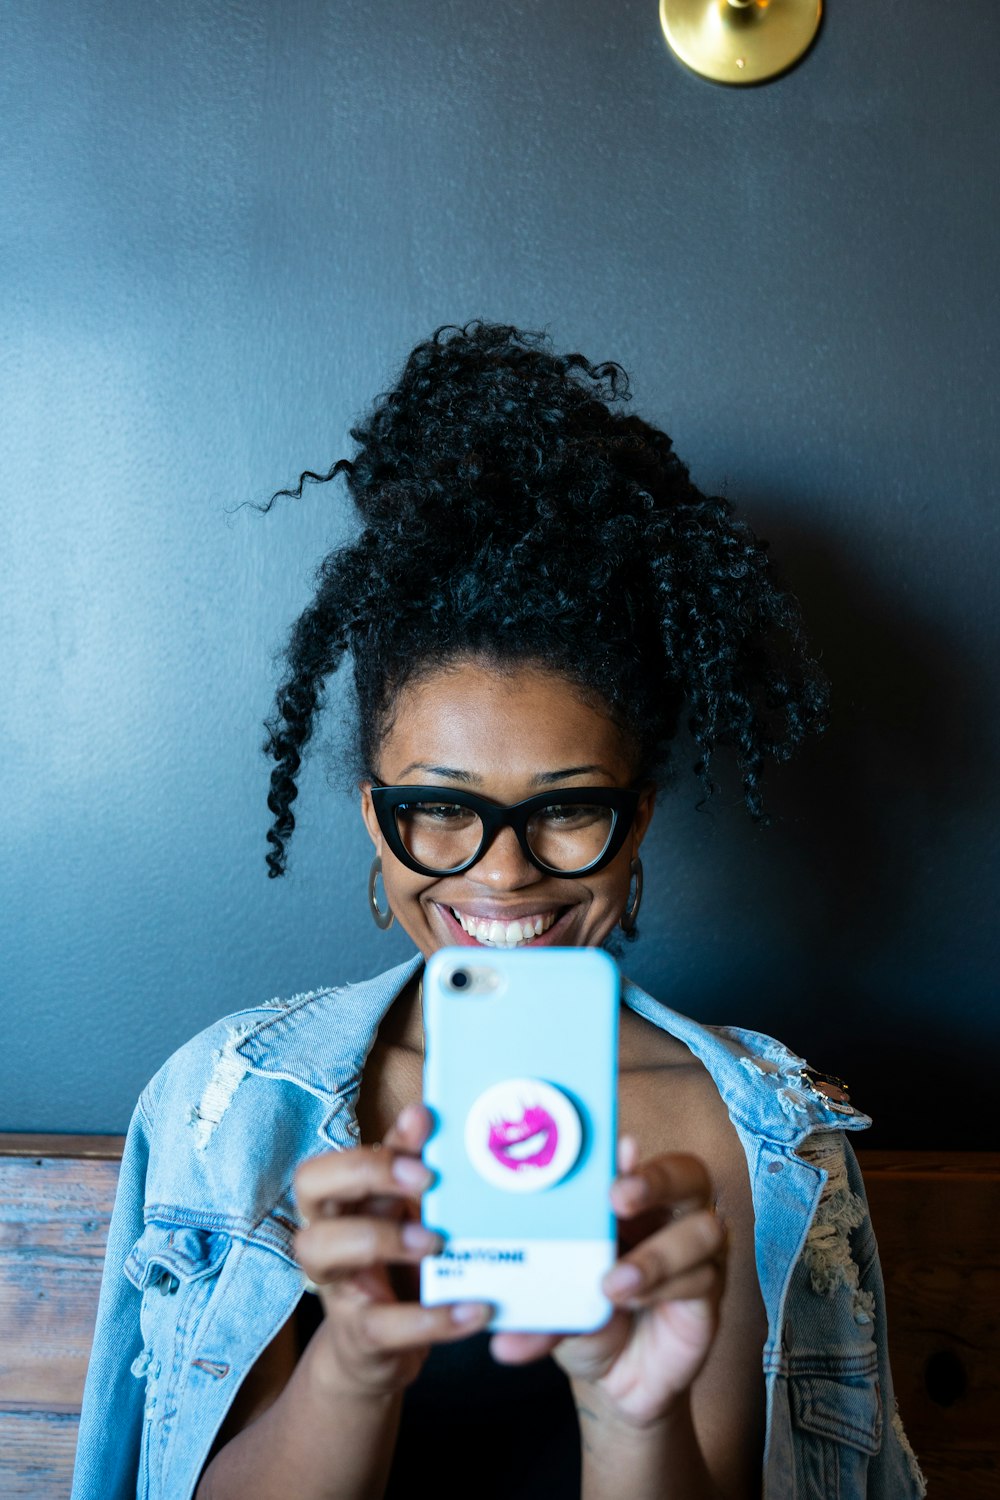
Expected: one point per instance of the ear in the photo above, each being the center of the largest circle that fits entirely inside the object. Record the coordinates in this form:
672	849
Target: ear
643	816
368	814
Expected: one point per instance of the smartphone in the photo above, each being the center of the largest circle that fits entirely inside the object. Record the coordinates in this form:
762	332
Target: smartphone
520	1075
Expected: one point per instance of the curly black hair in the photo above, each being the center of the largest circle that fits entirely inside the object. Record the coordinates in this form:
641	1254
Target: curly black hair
511	510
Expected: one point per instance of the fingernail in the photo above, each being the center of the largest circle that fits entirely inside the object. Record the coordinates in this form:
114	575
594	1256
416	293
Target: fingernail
410	1172
623	1278
407	1117
416	1237
638	1187
628	1152
471	1312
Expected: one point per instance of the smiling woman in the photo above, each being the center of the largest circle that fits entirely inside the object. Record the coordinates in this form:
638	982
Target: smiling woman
557	860
537	594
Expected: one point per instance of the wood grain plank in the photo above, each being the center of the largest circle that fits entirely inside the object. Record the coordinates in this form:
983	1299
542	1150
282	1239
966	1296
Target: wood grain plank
36	1454
54	1217
961	1475
936	1220
79	1147
956	1165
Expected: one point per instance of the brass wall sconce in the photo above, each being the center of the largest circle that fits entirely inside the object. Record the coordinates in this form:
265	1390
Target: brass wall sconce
740	41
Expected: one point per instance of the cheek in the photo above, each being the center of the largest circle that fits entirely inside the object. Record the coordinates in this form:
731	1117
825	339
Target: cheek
399	881
403	888
617	877
607	900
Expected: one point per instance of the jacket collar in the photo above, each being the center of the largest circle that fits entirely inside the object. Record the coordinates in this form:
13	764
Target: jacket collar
766	1088
321	1041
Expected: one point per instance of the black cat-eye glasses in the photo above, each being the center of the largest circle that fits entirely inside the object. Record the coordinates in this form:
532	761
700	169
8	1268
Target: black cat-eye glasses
437	830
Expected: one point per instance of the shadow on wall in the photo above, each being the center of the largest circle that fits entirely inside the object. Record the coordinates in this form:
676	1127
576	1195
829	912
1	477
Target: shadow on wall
870	814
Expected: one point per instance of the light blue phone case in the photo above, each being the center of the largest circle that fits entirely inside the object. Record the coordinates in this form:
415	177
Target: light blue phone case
521	1075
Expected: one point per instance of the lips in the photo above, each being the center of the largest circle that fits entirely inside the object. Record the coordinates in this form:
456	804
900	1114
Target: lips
528	1142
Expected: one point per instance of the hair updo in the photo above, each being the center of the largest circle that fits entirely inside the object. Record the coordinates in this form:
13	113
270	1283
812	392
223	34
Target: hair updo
512	510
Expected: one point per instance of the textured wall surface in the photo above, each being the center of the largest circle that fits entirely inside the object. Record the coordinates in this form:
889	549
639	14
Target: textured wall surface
224	223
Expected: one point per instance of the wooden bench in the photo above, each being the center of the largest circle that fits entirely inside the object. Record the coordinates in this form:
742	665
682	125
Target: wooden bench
936	1216
56	1196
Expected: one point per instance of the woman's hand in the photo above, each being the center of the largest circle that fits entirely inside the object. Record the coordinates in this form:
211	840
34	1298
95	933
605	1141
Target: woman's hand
665	1289
361	1209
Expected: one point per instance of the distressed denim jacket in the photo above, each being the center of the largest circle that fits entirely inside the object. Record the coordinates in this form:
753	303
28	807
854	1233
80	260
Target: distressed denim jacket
200	1274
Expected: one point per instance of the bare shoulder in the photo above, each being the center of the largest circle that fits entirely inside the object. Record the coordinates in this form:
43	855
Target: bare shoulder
670	1102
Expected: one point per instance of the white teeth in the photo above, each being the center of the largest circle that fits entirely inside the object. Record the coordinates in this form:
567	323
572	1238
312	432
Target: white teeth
522	1149
496	934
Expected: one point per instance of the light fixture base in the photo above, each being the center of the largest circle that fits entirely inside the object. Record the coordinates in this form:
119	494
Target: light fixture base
740	41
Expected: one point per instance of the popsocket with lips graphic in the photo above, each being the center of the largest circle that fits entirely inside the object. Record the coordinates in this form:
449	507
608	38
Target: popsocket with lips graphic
523	1135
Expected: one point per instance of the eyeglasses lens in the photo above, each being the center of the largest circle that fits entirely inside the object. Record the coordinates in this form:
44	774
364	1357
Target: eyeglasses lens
444	835
440	835
570	836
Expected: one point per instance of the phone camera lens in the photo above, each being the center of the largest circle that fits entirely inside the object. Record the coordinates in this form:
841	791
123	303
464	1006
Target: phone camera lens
459	980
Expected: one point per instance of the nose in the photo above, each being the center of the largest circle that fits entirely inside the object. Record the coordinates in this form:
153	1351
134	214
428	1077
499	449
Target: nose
504	865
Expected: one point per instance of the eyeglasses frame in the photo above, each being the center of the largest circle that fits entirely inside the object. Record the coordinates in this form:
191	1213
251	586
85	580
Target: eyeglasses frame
623	801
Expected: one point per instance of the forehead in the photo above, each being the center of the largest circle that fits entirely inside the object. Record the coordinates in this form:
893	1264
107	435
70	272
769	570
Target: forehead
500	724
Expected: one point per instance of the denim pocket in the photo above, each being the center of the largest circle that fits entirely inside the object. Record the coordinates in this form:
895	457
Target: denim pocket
848	1411
171	1255
836	1409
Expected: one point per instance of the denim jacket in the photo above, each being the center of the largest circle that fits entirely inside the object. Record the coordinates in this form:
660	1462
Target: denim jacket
200	1274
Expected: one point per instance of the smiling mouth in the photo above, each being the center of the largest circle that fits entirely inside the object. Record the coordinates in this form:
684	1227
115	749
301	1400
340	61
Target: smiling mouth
527	1142
492	933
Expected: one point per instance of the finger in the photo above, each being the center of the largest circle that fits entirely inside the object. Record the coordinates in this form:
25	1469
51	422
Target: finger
406	1136
331	1249
522	1348
628	1154
676	1182
649	1271
410	1129
392	1327
704	1284
343	1178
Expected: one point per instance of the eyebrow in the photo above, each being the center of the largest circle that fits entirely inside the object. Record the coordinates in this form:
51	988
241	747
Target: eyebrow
469	778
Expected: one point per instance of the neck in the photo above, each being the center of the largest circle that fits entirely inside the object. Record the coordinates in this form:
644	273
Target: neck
403	1026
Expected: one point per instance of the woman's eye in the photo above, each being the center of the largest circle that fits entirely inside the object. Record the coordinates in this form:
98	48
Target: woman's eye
436	812
572	814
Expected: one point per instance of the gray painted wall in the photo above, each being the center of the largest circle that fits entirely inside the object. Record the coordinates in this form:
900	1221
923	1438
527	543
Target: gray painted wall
225	223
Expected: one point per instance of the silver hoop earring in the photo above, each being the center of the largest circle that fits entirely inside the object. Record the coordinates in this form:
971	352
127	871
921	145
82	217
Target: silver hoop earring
383	919
631	911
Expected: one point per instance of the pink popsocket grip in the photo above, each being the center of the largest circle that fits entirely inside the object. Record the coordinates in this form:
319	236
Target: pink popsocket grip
523	1135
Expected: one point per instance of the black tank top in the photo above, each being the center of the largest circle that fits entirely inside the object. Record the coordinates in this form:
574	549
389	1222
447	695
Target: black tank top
471	1427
